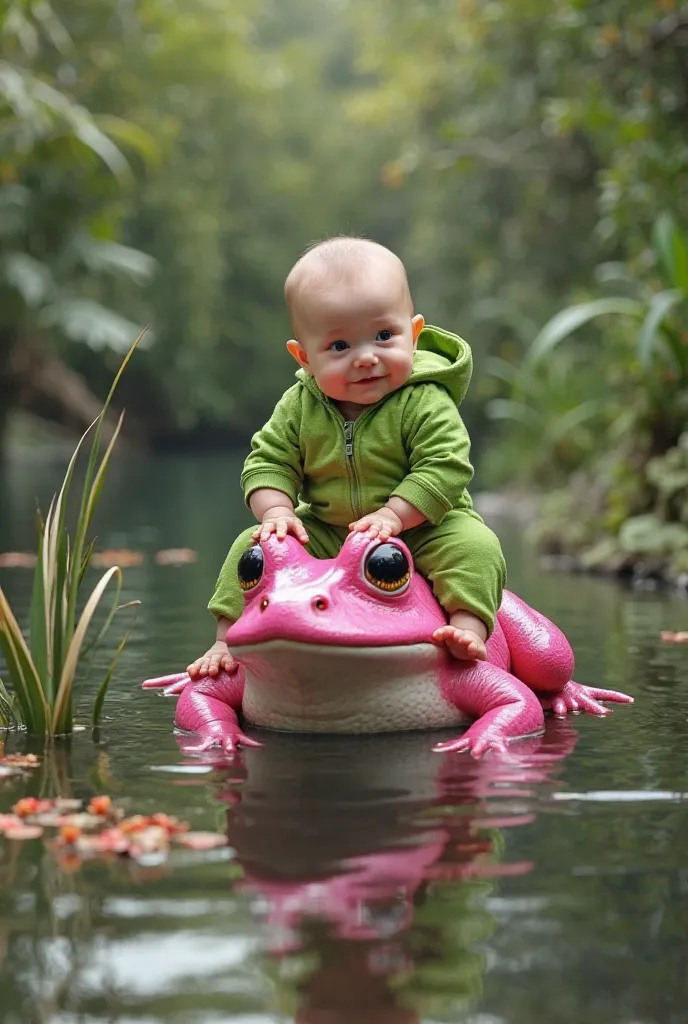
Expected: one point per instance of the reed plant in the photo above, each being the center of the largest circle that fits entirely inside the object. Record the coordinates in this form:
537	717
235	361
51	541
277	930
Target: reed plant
42	666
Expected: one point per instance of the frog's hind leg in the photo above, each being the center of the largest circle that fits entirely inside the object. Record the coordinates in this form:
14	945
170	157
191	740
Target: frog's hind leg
505	709
541	657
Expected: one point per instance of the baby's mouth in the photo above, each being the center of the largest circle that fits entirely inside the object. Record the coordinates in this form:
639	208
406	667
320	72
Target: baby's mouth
368	380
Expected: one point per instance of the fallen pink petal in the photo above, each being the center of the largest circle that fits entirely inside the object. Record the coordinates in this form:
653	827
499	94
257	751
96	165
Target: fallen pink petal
20	832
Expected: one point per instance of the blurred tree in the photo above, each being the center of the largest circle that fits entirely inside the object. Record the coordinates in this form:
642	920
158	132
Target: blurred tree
503	147
61	172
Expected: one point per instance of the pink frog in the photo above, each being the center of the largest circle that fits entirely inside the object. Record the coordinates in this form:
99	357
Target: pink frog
342	646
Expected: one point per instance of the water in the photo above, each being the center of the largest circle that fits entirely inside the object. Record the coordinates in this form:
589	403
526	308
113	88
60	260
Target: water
367	879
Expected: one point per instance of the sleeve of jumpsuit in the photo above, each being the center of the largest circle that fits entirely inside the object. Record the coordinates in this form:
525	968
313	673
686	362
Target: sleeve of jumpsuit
438	447
275	457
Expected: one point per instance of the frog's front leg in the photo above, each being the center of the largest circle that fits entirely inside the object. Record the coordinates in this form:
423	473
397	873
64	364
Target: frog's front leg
209	707
504	707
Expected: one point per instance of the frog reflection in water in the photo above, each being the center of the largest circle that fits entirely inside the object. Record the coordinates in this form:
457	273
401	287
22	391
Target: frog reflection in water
342	646
369	862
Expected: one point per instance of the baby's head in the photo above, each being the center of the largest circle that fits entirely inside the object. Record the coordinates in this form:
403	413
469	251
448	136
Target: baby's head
353	320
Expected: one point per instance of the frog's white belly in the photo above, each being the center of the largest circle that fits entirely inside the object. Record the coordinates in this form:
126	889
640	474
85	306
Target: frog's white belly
310	688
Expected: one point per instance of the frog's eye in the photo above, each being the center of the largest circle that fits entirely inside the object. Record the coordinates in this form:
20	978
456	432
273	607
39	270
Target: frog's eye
250	568
387	568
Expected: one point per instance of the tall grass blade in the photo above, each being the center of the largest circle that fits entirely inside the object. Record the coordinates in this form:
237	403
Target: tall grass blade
7	713
99	480
84	519
85	560
22	671
61	717
103	688
41	672
38	631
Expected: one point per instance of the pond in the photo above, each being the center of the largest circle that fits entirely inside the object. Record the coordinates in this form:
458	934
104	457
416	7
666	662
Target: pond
365	879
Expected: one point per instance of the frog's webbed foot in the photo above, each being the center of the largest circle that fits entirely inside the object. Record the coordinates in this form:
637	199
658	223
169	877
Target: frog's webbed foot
504	708
225	737
483	736
576	697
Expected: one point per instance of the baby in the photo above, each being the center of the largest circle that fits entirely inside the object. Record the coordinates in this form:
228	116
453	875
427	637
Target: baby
369	439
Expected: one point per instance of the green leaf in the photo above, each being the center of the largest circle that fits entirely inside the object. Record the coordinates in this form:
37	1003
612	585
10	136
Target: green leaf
102	255
571	319
649	535
130	136
22	672
38	638
671	249
61	719
573	418
85	560
30	277
90	322
659	306
502	369
7	710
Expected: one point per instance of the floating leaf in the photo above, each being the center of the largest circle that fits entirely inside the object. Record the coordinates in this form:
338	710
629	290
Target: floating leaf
20	760
21	832
176	556
17	560
674	638
123	558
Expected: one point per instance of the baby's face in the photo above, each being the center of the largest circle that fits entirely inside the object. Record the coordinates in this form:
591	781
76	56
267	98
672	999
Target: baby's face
357	339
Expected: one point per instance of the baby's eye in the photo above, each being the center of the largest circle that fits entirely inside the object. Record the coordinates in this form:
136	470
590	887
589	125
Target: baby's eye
384	335
339	346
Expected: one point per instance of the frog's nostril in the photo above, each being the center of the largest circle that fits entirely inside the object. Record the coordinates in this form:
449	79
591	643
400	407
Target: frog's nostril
263	604
320	604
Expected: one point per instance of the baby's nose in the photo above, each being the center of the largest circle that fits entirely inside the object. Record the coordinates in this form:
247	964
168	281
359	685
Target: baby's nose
366	359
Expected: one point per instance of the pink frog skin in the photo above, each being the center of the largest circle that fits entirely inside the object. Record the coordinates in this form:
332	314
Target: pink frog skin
342	646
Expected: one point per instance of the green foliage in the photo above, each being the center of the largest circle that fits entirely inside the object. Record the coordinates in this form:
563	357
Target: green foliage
168	167
42	670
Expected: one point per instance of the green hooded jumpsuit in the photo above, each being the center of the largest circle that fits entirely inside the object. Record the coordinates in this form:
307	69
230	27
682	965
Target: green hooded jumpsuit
413	444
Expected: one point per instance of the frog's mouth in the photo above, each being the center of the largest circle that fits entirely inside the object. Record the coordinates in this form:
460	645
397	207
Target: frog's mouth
305	687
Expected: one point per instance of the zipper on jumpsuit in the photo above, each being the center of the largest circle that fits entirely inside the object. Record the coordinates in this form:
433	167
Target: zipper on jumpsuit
351	466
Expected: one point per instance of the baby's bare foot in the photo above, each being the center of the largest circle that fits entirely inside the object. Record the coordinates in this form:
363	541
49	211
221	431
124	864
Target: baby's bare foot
462	644
210	663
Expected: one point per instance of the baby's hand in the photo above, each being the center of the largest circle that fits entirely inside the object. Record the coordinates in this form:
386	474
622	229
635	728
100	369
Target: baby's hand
210	663
382	524
280	524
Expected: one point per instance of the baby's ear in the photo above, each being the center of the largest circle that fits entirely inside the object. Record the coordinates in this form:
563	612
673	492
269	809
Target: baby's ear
298	352
417	325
